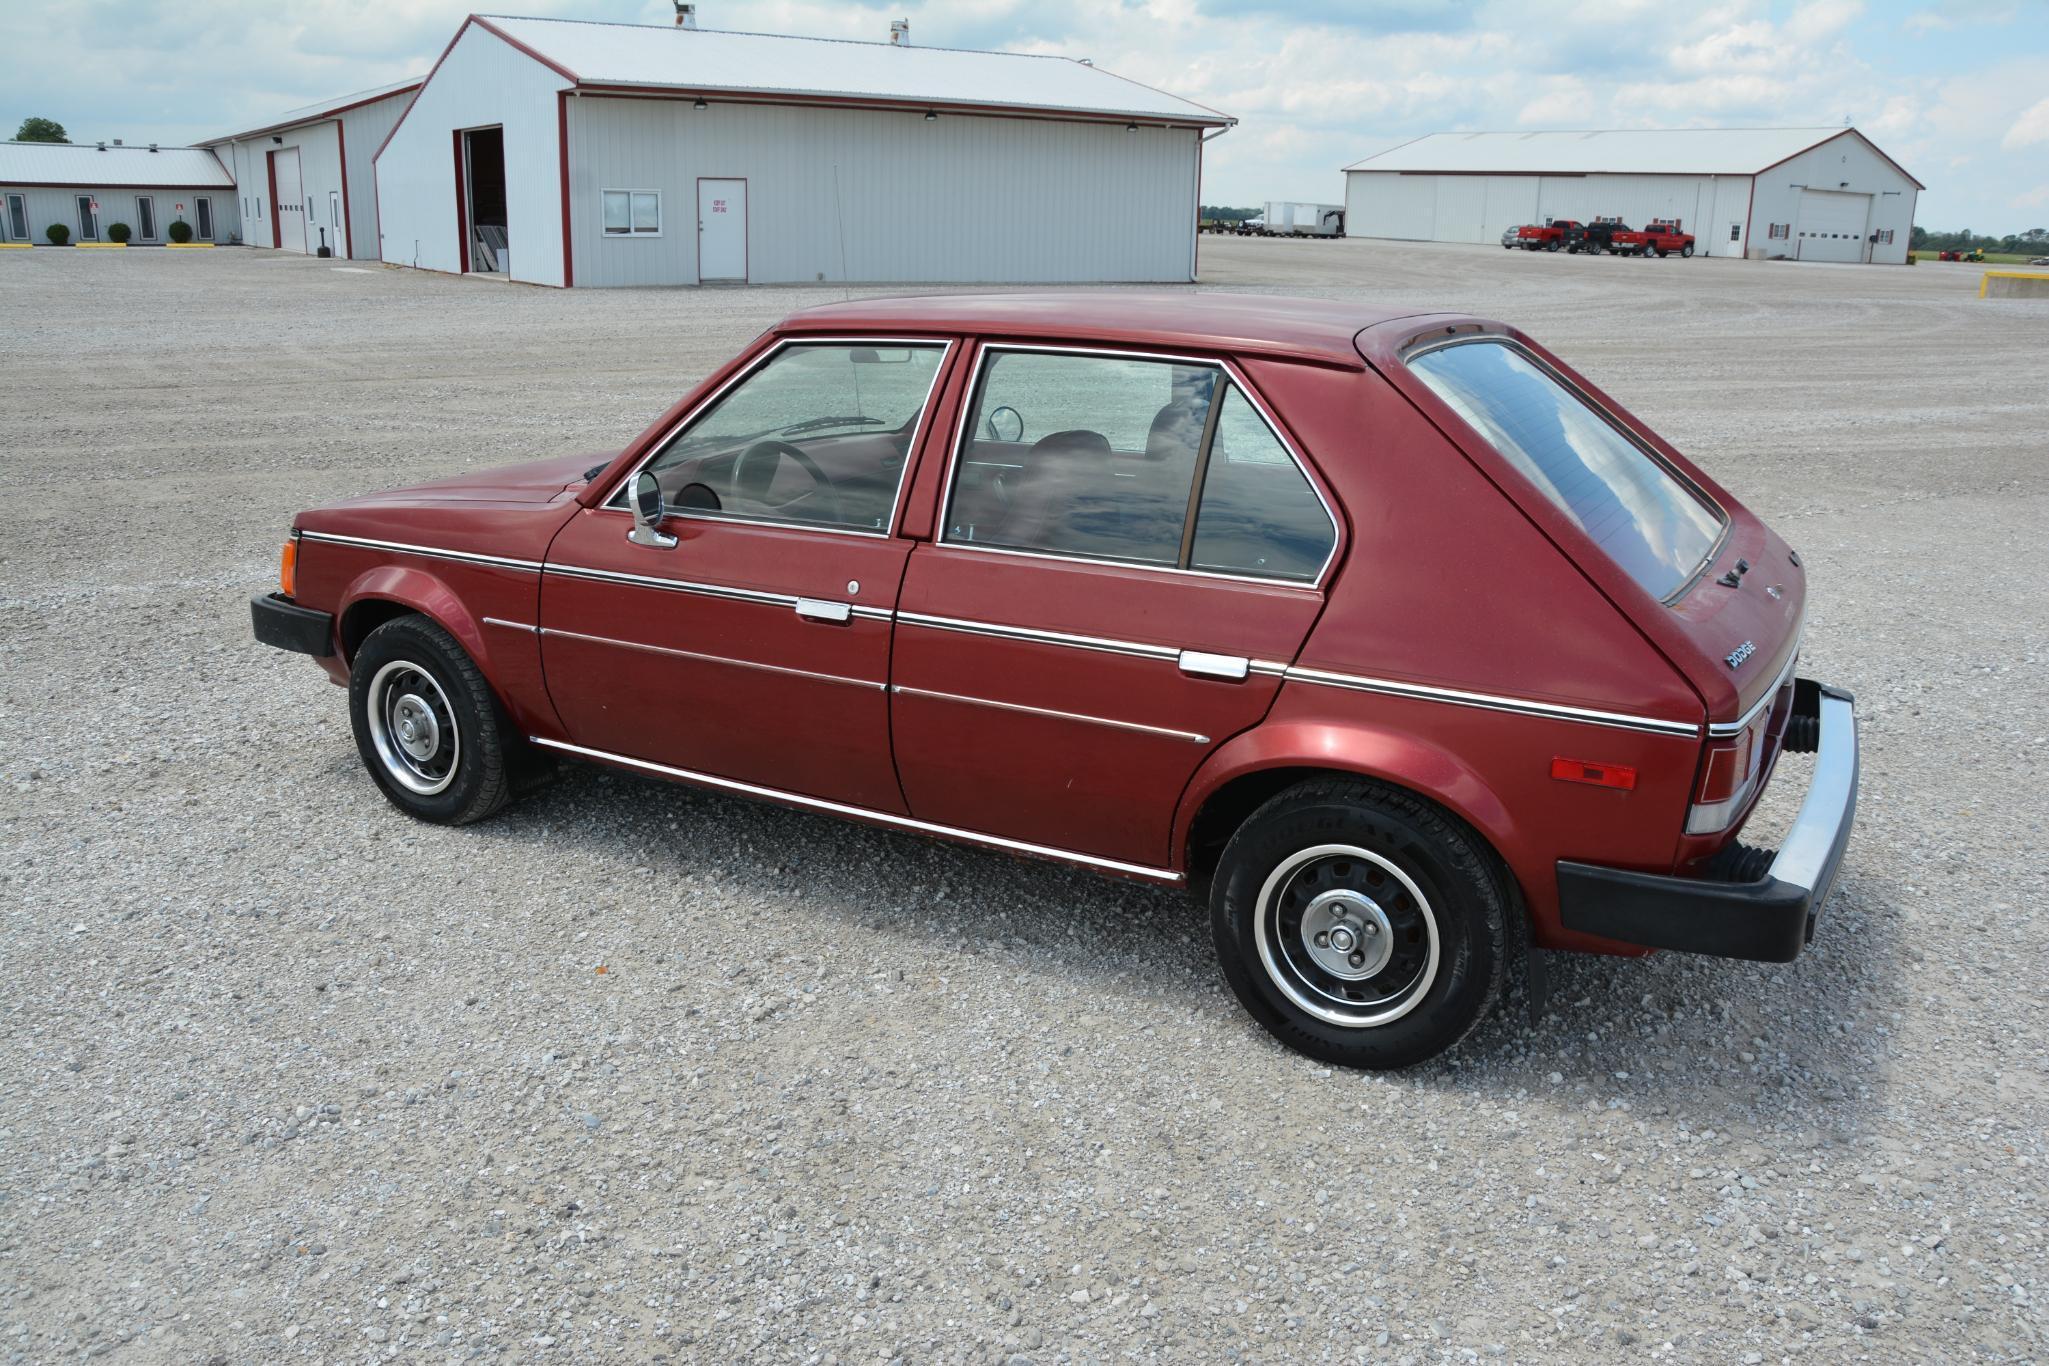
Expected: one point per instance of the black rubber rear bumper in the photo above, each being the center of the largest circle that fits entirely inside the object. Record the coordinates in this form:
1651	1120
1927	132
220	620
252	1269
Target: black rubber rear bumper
1769	920
284	624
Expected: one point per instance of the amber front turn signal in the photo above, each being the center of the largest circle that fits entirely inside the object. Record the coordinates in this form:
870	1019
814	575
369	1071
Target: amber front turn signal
288	568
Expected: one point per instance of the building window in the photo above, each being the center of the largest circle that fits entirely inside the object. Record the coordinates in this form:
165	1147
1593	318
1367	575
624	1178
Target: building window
1781	230
202	212
1735	232
1884	237
633	213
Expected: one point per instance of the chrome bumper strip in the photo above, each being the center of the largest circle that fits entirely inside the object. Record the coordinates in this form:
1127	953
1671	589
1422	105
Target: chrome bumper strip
888	818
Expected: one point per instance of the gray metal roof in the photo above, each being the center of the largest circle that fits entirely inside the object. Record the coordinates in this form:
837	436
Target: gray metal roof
1630	151
87	166
323	109
667	57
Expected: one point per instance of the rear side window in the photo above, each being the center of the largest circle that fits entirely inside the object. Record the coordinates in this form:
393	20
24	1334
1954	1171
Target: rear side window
1652	525
1132	460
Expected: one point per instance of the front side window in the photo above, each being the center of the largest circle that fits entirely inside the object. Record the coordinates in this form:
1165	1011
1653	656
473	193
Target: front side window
817	436
633	213
1655	528
1096	457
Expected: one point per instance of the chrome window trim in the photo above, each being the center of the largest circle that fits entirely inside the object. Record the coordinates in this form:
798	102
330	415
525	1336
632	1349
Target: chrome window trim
1228	368
1613	419
1723	730
712	659
707	590
432	552
886	818
946	344
1135	727
1493	702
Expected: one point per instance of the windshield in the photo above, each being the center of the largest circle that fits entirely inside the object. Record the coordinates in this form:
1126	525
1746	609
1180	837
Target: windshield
1652	525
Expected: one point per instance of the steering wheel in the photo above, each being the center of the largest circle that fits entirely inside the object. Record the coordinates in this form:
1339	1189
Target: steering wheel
754	471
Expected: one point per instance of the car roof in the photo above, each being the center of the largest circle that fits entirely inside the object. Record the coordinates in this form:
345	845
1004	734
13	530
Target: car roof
1317	330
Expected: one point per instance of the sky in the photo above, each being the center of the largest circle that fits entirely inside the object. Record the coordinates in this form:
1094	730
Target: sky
1957	94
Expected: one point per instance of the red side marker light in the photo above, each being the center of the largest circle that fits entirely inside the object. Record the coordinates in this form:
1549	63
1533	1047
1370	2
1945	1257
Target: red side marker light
1595	775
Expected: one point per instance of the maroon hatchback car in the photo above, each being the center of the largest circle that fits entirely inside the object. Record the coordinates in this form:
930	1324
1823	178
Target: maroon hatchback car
1389	634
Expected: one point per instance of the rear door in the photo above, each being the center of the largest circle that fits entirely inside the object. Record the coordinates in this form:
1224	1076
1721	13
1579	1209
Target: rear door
1128	555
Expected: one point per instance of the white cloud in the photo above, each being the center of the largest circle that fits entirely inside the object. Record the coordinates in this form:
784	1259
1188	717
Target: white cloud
2032	199
2030	128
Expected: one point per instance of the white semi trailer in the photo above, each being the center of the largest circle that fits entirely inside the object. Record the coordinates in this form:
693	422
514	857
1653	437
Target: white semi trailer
1292	218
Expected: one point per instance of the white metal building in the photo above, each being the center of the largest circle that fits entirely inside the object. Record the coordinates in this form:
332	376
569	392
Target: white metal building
305	180
1811	194
90	187
569	153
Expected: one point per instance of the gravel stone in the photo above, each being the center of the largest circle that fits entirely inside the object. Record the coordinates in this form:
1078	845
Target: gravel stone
866	1098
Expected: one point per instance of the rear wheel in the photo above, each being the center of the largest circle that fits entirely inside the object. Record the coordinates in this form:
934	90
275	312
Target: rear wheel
428	726
1551	245
1359	924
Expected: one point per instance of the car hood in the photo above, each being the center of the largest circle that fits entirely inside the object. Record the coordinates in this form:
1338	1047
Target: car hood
534	481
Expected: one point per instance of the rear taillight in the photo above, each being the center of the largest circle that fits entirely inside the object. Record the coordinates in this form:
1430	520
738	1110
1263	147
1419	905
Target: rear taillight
1728	772
288	567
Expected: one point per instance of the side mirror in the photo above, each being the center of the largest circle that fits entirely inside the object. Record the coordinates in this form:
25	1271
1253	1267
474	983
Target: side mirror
1006	424
648	512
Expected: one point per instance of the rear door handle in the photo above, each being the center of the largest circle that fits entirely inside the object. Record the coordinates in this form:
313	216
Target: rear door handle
817	609
1196	663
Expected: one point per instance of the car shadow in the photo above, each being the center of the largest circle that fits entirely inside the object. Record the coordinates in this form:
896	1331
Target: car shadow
1712	1043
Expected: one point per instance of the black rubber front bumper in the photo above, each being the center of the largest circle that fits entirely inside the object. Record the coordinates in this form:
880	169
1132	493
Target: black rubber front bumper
1770	920
283	623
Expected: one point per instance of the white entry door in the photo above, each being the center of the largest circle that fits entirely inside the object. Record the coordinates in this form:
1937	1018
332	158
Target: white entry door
721	230
290	197
1831	226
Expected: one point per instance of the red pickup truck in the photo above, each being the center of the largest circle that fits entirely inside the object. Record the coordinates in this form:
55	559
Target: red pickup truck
1662	237
1550	237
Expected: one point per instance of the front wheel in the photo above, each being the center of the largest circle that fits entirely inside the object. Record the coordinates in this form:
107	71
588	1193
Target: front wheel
428	726
1686	250
1359	924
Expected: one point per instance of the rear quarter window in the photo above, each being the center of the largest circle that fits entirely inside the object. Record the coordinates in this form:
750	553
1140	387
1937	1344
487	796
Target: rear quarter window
1646	519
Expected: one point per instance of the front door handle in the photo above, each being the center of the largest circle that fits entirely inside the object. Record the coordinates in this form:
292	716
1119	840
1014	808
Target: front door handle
1197	664
817	609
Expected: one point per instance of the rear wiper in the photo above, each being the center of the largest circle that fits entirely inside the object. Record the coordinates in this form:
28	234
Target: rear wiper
817	422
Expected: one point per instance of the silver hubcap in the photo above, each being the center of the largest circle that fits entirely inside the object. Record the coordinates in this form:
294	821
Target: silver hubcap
1347	936
413	728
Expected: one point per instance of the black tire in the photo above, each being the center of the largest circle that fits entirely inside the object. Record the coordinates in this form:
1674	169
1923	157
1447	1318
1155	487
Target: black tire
1551	245
1351	854
1686	250
457	766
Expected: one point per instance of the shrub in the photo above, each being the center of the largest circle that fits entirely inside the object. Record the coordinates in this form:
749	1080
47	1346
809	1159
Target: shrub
117	232
58	234
181	231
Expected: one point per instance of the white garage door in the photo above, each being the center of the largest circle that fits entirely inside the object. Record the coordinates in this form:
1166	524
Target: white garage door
1831	226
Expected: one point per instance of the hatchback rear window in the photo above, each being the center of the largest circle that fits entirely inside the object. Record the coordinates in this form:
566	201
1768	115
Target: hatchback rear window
1653	526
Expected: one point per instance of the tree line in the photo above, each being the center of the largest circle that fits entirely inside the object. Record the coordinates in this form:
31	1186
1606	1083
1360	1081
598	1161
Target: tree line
2032	242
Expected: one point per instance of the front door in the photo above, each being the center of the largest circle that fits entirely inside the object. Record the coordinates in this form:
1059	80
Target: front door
145	218
1128	557
754	646
17	217
88	218
334	224
721	230
287	201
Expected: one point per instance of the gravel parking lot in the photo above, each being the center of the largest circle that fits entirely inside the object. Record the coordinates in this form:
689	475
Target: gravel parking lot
634	1071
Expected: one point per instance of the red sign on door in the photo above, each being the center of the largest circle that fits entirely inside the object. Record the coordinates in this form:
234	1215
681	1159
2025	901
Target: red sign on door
96	206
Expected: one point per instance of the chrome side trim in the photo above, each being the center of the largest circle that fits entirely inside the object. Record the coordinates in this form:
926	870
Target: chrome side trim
888	818
1722	730
947	346
432	552
1492	702
1135	727
711	659
707	590
1224	366
511	625
1101	644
